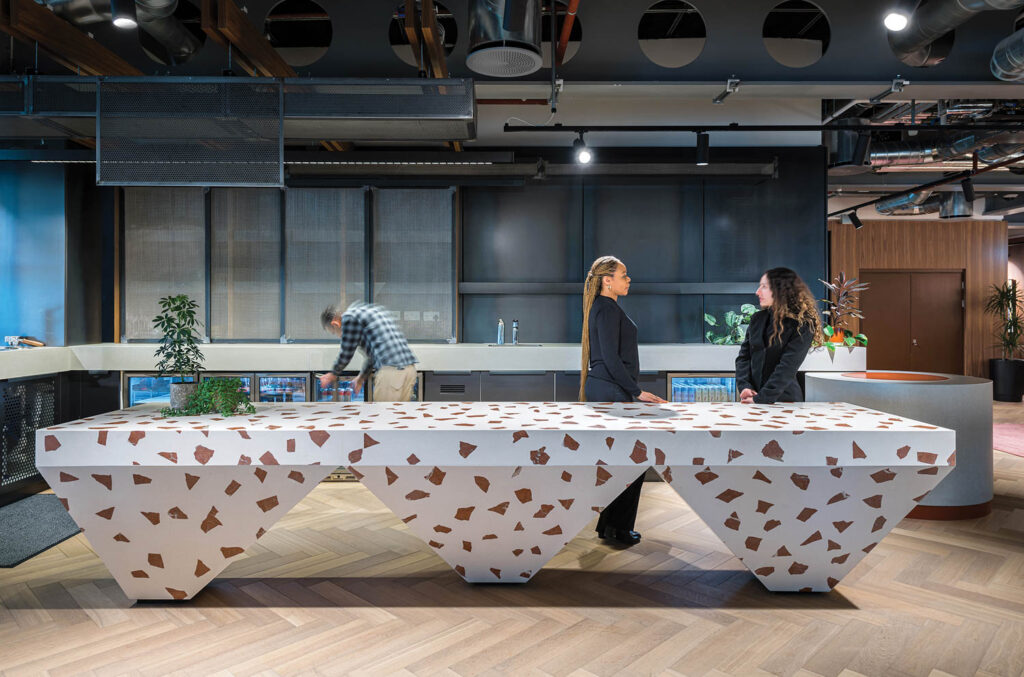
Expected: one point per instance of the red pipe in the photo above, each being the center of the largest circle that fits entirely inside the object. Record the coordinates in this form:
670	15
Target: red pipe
563	40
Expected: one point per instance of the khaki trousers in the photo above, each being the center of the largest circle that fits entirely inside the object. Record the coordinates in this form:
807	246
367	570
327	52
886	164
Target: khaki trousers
394	384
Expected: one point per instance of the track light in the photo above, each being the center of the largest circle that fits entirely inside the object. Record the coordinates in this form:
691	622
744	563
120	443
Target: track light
896	19
123	12
702	149
583	154
855	220
967	185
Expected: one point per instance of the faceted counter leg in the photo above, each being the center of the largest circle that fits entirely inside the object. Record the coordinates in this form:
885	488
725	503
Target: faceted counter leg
164	533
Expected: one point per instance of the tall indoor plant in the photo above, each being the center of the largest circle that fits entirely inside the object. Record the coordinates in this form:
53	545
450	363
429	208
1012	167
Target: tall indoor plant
1006	302
179	351
840	308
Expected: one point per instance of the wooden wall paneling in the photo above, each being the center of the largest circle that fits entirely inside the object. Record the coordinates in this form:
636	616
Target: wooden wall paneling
978	247
842	258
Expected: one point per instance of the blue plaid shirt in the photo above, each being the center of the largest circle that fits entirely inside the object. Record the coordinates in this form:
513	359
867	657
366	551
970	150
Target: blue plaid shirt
372	328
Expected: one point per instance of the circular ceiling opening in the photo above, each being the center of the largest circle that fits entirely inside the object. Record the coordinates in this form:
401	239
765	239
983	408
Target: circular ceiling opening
796	33
400	38
575	33
300	31
671	33
172	40
909	50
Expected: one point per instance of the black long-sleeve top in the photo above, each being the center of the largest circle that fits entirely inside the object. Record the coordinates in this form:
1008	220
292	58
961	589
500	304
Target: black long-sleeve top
614	353
770	368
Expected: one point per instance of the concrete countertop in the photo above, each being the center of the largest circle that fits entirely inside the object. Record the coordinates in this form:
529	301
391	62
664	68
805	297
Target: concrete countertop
432	357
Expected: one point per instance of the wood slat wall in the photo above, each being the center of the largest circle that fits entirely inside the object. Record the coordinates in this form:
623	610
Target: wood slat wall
977	247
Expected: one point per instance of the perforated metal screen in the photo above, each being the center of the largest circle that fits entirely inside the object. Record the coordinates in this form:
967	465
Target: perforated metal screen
25	406
185	132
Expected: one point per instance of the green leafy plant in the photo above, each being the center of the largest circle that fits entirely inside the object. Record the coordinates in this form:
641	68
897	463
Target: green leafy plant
735	326
841	307
1006	302
179	351
223	395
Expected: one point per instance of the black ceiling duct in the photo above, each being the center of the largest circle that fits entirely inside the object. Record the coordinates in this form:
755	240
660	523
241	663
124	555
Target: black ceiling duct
504	37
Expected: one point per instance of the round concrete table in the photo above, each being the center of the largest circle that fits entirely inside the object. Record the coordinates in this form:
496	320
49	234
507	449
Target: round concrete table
961	403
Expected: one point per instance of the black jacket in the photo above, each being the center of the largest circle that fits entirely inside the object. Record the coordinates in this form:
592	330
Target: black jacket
771	369
614	353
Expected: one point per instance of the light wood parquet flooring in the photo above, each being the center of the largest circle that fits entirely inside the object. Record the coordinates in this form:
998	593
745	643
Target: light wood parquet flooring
340	586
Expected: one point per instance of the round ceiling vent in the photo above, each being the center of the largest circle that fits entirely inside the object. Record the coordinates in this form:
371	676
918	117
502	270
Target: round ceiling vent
504	60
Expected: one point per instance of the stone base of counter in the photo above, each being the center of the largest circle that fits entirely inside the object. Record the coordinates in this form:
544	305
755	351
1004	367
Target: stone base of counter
951	512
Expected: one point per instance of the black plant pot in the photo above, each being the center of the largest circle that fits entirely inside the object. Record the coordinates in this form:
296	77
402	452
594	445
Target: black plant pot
1007	379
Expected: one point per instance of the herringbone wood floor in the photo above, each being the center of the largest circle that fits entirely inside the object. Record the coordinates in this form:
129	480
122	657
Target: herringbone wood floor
340	586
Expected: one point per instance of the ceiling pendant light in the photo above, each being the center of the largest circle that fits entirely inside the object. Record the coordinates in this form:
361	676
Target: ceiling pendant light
123	12
702	149
897	17
967	186
580	150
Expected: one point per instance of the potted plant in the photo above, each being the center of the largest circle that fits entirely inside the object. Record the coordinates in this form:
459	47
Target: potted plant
735	326
1006	302
179	351
226	396
841	307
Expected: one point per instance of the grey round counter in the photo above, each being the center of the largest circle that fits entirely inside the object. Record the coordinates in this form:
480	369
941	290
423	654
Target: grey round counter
961	403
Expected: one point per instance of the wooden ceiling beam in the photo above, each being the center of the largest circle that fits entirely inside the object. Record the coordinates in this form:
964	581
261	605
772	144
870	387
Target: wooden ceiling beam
208	22
234	25
73	49
412	32
432	38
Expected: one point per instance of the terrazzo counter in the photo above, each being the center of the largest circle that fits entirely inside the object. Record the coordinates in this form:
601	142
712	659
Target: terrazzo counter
799	492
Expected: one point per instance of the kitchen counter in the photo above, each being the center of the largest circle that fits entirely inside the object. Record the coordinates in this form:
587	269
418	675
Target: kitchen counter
799	492
432	357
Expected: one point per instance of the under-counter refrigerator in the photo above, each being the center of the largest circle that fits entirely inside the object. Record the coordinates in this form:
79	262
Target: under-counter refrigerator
701	387
282	387
137	388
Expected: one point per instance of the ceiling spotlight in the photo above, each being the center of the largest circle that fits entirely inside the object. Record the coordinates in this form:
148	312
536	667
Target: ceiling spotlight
855	220
702	149
896	19
583	154
123	12
968	187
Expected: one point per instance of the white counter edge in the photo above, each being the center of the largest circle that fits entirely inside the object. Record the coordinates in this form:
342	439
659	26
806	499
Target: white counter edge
318	357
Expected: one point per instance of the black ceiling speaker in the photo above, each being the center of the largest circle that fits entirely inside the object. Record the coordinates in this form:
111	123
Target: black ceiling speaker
504	37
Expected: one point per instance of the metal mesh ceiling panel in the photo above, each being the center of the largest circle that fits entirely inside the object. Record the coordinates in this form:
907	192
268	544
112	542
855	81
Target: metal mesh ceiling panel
188	132
376	110
64	96
12	95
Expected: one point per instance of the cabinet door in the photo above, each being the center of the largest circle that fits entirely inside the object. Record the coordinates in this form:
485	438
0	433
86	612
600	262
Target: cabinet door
936	323
517	387
886	309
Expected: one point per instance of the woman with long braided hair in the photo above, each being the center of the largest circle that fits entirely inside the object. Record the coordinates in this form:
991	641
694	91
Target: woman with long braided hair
609	373
777	341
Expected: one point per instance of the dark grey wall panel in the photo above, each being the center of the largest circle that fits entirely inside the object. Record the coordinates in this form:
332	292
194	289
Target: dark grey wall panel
664	319
527	234
750	227
543	318
654	229
88	305
449	387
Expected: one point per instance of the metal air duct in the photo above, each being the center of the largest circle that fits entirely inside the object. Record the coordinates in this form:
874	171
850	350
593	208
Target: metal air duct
1008	58
933	20
848	149
935	150
504	37
954	205
920	202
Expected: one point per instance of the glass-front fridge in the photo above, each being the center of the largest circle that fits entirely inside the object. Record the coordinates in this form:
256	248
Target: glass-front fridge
140	388
701	387
245	378
282	387
341	391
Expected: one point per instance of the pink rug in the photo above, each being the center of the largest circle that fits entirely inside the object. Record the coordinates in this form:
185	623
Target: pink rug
1009	437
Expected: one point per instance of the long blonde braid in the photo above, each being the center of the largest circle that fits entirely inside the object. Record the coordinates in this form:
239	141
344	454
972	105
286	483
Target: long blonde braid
605	266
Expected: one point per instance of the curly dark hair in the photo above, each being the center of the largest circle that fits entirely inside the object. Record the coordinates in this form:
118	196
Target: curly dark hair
792	299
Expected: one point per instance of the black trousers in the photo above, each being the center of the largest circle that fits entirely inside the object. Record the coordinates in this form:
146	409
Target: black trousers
620	513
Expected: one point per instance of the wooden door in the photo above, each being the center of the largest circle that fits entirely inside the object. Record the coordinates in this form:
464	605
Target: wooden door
936	322
886	309
914	320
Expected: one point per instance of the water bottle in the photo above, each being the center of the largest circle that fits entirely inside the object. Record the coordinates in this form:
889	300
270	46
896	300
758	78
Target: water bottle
515	332
501	332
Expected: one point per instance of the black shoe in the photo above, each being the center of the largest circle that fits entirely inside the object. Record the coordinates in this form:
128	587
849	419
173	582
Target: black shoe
621	536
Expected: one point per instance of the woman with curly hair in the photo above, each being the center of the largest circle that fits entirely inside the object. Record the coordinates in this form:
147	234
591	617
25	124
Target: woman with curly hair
777	341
